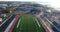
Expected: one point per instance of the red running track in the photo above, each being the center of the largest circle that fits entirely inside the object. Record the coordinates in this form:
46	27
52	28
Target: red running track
12	26
43	25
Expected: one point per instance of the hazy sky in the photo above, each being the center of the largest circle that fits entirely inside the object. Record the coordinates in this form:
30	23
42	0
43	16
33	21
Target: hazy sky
53	3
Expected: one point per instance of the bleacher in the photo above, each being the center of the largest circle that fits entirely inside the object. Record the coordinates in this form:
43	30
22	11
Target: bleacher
6	22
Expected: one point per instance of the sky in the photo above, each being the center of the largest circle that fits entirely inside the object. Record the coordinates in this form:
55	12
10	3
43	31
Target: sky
52	3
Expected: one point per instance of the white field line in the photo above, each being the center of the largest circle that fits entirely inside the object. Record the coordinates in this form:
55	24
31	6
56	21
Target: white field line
37	22
18	23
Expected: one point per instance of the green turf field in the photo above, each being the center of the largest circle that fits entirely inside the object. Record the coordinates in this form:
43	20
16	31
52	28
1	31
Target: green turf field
28	24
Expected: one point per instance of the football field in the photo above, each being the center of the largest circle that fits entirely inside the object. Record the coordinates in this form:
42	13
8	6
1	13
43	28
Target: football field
28	24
